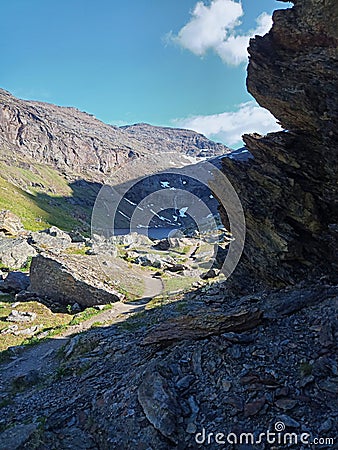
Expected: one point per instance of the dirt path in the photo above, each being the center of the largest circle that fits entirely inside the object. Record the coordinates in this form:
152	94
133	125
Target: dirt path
40	357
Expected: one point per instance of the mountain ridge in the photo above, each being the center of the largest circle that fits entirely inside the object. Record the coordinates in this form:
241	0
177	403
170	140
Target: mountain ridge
76	142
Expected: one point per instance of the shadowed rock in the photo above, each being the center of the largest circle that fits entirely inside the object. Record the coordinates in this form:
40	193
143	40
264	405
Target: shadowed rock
15	282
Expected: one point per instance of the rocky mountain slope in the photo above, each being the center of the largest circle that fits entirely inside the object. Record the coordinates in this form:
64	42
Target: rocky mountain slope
77	143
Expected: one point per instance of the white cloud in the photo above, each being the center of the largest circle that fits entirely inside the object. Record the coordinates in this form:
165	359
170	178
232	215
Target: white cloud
208	25
233	50
214	28
228	127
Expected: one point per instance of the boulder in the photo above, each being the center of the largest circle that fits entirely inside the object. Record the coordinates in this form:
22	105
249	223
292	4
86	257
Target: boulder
176	267
101	246
10	224
163	245
202	324
77	237
15	282
15	253
52	238
149	260
69	281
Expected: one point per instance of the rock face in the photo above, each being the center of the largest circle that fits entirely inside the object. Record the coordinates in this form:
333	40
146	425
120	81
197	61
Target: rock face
289	189
67	283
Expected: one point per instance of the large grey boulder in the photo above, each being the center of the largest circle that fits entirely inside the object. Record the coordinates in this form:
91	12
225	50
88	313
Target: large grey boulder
69	281
52	238
15	253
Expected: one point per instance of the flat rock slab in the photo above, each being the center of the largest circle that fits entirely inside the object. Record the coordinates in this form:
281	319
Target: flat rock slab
203	324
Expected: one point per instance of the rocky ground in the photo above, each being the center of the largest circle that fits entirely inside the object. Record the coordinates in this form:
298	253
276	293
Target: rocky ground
203	361
193	357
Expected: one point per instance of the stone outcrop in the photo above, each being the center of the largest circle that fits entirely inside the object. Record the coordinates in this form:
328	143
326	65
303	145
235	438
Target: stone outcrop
289	189
67	281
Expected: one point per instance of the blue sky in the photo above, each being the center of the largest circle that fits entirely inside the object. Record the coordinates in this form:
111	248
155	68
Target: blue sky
165	62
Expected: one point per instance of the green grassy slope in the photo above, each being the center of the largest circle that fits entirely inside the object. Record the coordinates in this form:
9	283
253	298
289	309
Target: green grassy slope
40	196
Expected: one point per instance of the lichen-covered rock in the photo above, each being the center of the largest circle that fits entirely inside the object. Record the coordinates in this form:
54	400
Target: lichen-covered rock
66	282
